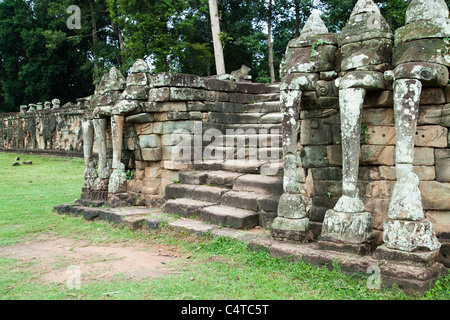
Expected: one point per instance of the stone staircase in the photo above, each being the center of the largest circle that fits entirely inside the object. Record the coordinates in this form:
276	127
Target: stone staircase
240	184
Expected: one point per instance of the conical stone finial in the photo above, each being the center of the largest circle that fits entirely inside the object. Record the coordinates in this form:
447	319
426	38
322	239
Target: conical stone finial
139	66
314	25
426	10
365	6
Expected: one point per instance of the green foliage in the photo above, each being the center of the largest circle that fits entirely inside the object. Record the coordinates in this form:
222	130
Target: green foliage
364	136
318	42
130	174
337	12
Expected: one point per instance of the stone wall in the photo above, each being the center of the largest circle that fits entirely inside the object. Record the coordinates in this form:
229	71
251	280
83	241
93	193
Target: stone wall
136	124
50	130
165	118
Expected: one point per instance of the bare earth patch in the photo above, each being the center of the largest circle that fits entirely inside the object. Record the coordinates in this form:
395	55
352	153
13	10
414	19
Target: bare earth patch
55	259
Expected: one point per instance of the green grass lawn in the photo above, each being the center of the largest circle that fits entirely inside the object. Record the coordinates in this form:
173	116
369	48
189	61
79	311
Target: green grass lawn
219	268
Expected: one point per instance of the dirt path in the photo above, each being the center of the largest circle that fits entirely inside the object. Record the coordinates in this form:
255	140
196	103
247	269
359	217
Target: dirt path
57	259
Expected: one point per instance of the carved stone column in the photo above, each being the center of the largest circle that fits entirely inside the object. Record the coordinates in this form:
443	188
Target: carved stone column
366	46
421	59
90	173
101	183
100	138
302	67
118	178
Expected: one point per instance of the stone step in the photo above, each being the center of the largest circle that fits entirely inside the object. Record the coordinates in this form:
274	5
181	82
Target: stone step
259	184
245	139
230	216
244	153
250	201
257	107
230	118
208	193
253	128
221	178
273	88
194	177
185	207
273	168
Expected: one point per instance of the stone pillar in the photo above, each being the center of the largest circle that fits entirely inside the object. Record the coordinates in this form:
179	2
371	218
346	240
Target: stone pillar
118	178
56	103
301	69
23	109
366	47
407	235
90	173
100	138
292	223
46	105
100	186
348	222
32	108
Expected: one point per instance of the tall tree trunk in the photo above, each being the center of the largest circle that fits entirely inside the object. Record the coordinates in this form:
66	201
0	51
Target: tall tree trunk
120	38
297	18
94	36
269	41
215	28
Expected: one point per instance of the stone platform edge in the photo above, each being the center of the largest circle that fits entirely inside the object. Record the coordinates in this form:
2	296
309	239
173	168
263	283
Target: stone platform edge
411	277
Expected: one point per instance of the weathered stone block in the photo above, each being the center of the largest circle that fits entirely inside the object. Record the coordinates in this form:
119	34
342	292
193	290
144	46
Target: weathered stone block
440	221
377	155
135	93
137	79
153	170
366	53
410	236
445	120
379	209
143	128
310	101
308	61
171	116
430	74
347	227
291	206
442	165
432	96
159	94
149	141
151	154
140	118
187	94
381	135
378	189
435	195
334	155
447	93
430	28
330	173
314	157
151	186
168	79
423	156
327	188
369	80
425	173
431	136
315	132
424	50
378	116
172	126
379	99
430	114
